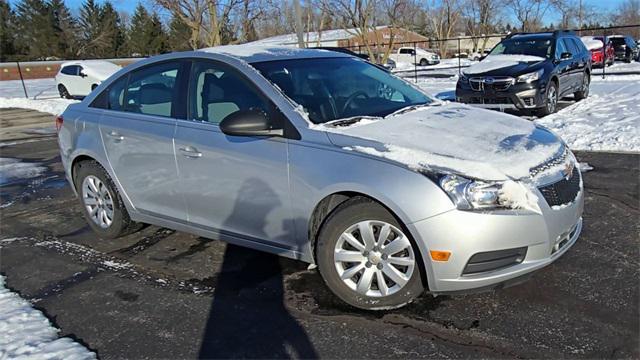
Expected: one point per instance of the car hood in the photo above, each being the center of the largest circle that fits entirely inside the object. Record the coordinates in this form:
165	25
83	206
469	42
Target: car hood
505	65
453	138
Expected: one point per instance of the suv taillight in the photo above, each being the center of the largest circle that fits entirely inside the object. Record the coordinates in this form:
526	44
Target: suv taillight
59	121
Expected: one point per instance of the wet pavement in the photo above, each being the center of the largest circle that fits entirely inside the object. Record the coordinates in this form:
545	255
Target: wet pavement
160	293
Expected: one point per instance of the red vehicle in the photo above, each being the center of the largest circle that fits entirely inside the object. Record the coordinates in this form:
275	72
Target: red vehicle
602	54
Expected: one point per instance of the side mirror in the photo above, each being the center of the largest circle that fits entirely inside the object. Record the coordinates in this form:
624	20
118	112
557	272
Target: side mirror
566	56
249	123
82	74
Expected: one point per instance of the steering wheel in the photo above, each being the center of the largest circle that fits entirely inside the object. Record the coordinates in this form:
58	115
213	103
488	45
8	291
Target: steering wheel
351	98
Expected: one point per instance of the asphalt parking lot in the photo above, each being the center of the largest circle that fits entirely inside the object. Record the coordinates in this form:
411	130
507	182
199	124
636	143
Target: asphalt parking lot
160	293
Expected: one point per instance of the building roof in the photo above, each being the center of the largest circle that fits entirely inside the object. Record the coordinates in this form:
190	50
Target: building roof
255	53
326	35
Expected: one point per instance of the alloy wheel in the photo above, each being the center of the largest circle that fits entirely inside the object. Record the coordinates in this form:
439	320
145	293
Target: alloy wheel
552	99
98	201
374	258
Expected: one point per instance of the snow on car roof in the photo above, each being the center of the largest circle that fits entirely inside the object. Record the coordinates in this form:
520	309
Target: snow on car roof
254	53
591	43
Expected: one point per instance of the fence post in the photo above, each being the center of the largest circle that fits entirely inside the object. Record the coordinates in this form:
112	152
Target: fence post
22	80
415	65
459	64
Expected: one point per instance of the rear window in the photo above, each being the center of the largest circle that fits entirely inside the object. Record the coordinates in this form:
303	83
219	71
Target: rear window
617	41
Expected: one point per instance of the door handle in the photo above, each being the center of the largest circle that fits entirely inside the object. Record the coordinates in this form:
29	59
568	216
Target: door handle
190	152
116	136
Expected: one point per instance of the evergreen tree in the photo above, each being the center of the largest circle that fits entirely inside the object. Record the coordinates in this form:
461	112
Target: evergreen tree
179	35
146	34
157	36
65	30
34	35
92	35
7	31
113	30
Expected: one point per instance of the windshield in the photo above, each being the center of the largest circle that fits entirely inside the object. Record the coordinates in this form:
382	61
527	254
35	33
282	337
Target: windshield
338	88
532	47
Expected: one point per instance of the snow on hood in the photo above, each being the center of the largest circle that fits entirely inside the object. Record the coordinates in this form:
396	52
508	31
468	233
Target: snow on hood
453	138
494	62
591	43
99	69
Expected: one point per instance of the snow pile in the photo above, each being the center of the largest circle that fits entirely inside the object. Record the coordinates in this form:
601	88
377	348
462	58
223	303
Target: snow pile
51	106
493	62
591	43
13	169
26	332
609	119
454	139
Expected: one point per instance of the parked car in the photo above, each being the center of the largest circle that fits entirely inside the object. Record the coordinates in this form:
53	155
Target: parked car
79	78
528	72
625	47
610	53
600	54
415	56
321	156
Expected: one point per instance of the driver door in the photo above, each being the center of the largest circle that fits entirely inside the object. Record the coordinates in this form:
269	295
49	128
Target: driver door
237	185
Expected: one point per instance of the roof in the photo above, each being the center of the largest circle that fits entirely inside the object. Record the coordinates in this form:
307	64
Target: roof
253	53
311	37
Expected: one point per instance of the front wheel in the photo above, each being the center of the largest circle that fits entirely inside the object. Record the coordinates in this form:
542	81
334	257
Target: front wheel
424	62
64	93
366	258
551	101
102	205
584	90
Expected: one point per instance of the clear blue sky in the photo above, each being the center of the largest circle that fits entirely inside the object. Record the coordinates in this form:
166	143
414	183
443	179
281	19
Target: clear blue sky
130	5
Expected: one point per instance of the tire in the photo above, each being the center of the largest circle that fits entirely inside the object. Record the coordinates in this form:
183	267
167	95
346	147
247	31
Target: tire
62	90
551	101
584	91
369	261
94	184
424	62
94	86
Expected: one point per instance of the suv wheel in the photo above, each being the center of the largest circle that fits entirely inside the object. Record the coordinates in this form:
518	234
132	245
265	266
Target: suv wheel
551	102
366	258
62	90
102	205
424	62
584	90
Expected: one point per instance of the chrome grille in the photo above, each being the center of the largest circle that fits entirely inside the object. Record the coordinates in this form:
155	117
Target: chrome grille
499	83
555	160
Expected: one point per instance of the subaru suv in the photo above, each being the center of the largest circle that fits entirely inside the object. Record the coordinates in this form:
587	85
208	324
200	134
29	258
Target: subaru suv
323	157
528	72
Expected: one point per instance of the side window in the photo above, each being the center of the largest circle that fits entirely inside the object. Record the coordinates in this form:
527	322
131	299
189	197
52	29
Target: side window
151	90
216	91
70	70
115	100
79	70
571	47
560	48
579	46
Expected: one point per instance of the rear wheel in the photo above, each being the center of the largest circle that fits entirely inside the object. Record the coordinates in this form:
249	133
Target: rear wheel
94	86
102	205
551	101
366	258
62	90
584	90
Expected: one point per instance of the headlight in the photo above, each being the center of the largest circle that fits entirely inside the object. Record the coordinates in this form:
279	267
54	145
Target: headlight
531	77
471	194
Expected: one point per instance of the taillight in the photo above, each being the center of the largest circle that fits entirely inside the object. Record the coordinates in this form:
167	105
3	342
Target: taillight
59	121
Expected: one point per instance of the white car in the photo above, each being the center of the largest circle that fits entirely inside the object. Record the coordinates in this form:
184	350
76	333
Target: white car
79	78
416	56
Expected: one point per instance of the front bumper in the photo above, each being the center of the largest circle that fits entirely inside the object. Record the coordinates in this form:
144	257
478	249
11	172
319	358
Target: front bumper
518	96
546	236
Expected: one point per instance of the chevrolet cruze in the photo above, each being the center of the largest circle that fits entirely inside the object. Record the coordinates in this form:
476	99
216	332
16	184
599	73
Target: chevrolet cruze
322	157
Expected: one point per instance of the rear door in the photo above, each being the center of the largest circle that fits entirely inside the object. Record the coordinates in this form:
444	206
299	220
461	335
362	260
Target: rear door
137	130
237	184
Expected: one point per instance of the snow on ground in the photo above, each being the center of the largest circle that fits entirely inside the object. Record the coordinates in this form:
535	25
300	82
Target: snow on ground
25	333
43	96
13	169
608	120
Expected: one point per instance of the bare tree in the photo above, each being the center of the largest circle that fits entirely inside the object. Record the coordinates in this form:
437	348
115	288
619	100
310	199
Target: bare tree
443	19
529	12
480	18
357	16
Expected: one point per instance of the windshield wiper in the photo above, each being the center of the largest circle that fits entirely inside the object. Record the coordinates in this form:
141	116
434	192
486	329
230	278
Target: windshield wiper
409	108
351	120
